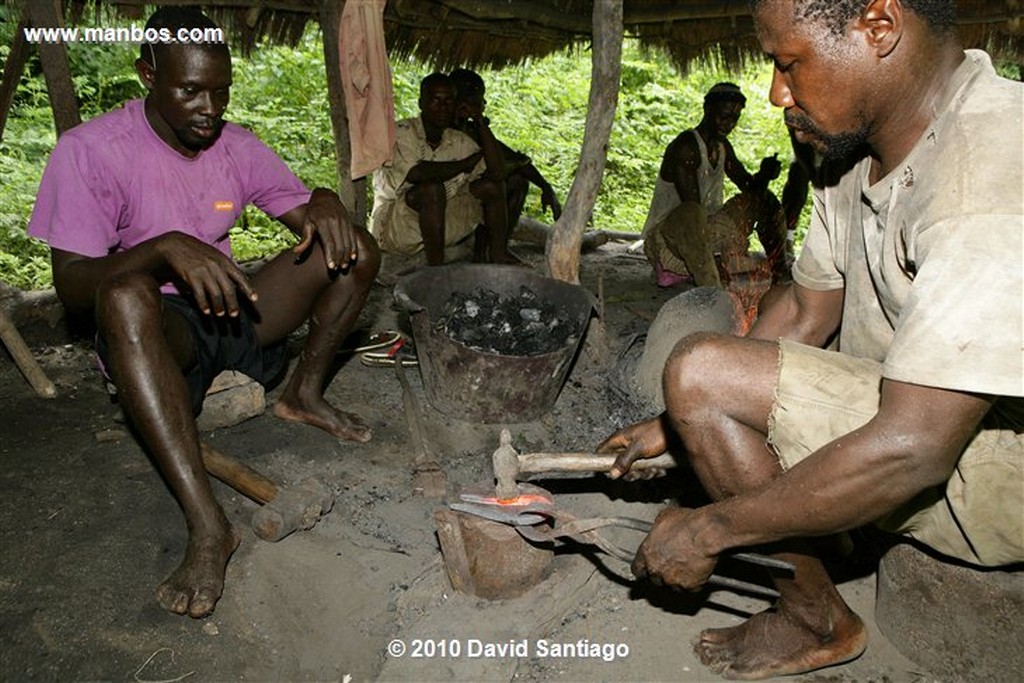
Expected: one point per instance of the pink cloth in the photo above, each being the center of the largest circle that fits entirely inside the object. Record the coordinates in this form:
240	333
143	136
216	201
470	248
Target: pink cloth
366	79
112	183
667	278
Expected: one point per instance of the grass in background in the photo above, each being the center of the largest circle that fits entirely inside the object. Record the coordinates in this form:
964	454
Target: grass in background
281	94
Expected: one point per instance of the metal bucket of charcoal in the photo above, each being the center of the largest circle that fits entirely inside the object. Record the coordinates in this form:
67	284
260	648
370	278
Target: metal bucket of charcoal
494	343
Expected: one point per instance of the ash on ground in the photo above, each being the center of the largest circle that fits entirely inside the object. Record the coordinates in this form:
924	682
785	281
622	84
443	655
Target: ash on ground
520	325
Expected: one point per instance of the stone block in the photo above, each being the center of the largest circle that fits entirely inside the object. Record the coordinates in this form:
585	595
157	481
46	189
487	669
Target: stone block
960	623
231	399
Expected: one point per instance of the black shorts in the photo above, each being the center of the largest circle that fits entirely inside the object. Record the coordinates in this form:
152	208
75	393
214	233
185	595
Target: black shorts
220	344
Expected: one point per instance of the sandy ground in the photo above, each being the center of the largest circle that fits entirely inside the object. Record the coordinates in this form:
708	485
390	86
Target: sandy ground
89	528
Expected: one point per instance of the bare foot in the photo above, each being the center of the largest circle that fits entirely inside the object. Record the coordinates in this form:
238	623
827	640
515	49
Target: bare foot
322	414
770	644
196	585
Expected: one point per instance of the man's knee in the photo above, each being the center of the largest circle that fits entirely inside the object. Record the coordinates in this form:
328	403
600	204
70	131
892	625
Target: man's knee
125	298
488	190
428	197
690	374
368	265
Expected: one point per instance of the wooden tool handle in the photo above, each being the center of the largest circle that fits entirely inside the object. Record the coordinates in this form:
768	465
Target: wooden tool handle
585	462
239	476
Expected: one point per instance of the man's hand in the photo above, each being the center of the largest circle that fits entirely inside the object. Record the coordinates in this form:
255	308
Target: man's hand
671	554
770	169
327	218
643	440
548	198
213	278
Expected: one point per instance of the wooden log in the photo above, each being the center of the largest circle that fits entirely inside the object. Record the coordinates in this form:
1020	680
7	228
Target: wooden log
563	249
24	359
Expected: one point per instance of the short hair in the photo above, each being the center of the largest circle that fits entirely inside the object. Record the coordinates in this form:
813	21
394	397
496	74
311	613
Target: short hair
724	92
940	15
436	78
468	83
173	18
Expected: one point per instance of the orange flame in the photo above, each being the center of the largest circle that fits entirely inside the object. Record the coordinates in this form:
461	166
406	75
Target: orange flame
523	499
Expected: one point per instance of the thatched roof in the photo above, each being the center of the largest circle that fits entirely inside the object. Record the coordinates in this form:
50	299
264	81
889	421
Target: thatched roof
448	33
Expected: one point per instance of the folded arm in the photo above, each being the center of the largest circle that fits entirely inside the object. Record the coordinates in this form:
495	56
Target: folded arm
212	277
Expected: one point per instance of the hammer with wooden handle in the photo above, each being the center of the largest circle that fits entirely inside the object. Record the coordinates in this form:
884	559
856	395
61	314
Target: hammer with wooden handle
509	465
285	509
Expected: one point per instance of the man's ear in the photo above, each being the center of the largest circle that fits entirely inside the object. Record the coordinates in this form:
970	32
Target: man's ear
882	24
146	72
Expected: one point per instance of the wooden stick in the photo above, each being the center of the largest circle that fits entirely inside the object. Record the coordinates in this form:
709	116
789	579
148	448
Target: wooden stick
533	463
24	359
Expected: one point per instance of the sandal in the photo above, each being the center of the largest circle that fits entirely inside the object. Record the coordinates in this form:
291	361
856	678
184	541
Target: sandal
377	340
400	351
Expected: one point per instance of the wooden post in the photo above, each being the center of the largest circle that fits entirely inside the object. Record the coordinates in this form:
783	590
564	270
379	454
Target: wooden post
54	56
353	195
12	72
563	249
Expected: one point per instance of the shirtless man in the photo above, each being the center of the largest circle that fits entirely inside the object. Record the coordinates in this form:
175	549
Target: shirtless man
914	258
136	206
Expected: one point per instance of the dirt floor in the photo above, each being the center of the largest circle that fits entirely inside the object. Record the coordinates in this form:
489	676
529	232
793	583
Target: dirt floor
89	528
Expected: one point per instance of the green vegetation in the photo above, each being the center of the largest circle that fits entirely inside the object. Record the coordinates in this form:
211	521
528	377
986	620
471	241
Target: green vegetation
281	94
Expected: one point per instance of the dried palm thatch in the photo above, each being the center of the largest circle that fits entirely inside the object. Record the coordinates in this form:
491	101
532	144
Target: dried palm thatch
497	33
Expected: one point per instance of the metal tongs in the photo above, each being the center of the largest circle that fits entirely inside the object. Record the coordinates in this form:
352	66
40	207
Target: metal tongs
535	516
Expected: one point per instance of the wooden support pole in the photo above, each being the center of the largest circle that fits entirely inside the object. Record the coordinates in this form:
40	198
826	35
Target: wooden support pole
13	69
54	56
353	194
563	249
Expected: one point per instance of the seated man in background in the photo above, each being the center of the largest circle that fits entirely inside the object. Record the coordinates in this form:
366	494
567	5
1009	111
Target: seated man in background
520	173
688	231
440	184
136	206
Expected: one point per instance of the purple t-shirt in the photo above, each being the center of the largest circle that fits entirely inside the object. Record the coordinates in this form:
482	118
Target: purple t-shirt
112	183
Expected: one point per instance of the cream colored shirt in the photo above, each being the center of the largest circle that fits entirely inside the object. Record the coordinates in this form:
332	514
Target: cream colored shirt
931	256
392	222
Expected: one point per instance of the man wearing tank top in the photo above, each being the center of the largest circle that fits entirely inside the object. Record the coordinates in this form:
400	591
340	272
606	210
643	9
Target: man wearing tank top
690	233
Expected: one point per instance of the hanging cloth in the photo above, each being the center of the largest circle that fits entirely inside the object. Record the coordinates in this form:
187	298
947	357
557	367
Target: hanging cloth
366	79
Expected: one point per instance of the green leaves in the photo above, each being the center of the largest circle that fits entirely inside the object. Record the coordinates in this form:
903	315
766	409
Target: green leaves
280	94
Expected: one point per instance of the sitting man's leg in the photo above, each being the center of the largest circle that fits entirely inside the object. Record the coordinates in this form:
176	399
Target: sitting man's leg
682	238
719	394
516	189
491	195
146	347
430	202
288	295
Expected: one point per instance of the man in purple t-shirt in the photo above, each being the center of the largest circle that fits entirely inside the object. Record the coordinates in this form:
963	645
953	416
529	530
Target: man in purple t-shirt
136	206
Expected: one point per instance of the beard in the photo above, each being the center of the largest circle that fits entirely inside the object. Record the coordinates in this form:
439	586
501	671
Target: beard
832	146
